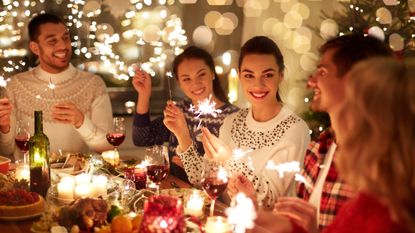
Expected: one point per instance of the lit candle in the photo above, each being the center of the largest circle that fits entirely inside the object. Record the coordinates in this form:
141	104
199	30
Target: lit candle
65	187
99	186
194	205
217	224
22	172
233	86
82	190
83	179
112	157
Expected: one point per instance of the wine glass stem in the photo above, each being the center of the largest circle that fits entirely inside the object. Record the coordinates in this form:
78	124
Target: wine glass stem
212	207
158	188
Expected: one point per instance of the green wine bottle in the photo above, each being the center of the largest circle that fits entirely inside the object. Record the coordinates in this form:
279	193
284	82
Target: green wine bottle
39	158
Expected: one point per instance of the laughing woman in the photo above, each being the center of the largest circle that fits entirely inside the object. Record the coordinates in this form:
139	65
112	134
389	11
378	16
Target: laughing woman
267	131
194	70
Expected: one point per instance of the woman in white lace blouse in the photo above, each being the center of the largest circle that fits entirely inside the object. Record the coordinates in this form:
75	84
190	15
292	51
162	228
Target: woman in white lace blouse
267	131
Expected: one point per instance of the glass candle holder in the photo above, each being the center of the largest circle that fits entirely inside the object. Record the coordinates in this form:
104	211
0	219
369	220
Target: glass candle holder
163	214
138	176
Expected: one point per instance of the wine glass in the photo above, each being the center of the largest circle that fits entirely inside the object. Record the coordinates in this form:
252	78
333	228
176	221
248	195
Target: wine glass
22	137
214	180
116	135
157	165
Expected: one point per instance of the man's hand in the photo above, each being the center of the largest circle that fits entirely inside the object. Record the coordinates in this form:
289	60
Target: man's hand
214	147
5	112
301	212
68	113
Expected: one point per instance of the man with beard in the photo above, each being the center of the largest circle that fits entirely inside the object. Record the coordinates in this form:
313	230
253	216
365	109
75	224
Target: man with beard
76	107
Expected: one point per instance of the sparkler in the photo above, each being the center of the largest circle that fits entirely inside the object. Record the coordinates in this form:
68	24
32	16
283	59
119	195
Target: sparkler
239	153
242	214
169	76
300	178
205	107
3	85
281	168
52	86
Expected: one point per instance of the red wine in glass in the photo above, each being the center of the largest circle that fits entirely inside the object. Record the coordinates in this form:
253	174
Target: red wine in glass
22	142
138	176
213	186
115	139
157	173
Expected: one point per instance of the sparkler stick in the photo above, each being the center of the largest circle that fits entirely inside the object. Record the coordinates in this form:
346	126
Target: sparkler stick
52	87
169	76
300	178
205	107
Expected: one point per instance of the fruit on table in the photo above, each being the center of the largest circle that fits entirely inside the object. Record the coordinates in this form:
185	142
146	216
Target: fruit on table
121	224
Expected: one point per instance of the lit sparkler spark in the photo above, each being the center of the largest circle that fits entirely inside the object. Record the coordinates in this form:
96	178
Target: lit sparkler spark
300	178
205	107
239	153
281	168
242	214
52	86
3	82
169	76
222	174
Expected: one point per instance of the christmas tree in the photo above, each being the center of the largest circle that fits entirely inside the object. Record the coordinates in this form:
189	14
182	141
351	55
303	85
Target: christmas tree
391	21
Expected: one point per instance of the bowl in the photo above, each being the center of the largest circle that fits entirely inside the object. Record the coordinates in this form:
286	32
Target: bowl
57	171
4	164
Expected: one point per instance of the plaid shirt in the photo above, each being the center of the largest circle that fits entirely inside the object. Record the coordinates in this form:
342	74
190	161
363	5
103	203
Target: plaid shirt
335	192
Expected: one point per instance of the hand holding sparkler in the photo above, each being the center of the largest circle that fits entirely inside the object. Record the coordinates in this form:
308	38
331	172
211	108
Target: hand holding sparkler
5	112
239	183
175	121
214	147
142	82
300	211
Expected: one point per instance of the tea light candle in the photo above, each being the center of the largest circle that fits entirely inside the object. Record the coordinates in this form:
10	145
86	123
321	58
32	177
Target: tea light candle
82	190
112	157
217	224
83	179
194	205
99	186
22	172
65	187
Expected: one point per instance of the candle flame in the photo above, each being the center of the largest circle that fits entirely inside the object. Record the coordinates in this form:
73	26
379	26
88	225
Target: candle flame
242	213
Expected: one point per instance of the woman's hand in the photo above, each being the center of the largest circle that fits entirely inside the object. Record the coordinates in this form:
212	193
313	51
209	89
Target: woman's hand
175	121
214	147
142	83
238	183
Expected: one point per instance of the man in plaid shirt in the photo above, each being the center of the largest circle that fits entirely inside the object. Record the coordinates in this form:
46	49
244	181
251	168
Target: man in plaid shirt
324	192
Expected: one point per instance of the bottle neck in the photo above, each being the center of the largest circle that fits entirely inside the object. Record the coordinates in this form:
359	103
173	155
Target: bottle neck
38	122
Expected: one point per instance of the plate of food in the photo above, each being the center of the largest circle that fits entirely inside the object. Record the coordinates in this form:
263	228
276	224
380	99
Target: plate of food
20	204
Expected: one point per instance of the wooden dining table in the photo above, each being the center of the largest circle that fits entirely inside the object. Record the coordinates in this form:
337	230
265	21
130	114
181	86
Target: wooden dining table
25	225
